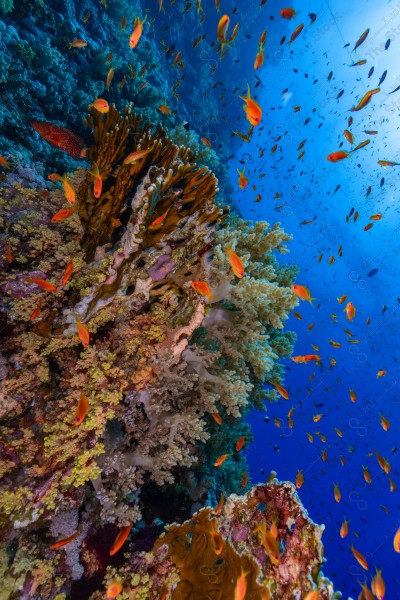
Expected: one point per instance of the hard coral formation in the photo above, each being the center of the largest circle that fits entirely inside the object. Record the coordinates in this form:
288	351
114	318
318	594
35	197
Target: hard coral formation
160	359
204	556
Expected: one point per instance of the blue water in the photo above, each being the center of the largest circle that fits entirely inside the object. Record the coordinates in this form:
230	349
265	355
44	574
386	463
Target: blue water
307	189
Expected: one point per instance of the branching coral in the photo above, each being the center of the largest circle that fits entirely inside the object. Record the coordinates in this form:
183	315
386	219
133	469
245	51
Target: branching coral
160	359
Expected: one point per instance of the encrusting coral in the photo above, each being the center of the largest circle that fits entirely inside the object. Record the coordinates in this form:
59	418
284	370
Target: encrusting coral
156	361
205	556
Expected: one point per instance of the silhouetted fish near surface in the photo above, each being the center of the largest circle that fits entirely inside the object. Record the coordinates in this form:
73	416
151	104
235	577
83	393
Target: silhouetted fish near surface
373	272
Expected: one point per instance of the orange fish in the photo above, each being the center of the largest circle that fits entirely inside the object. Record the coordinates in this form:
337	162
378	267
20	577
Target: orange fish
4	162
353	396
252	109
203	289
137	32
36	311
368	226
69	191
360	558
392	485
236	264
83	408
381	373
222	28
242	179
317	418
270	544
134	156
219	506
349	136
240	443
62	215
77	44
385	423
299	479
245	479
287	13
67	273
366	99
98	182
344	529
342	460
157	223
9	254
337	156
206	142
367	475
241	586
296	33
388	163
164	109
306	358
376	217
66	541
302	292
120	539
350	311
83	333
396	541
324	455
378	585
337	492
342	299
310	438
113	590
100	105
49	287
217	418
281	390
259	60
220	460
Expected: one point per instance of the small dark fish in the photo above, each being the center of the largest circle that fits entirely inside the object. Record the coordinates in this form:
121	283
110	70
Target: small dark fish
371	71
336	188
396	90
340	94
313	17
368	191
373	272
351	212
384	307
330	75
383	77
382	181
387	44
283	40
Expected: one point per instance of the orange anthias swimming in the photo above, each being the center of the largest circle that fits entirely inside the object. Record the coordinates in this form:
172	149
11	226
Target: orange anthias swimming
236	264
137	32
302	292
242	179
337	156
287	13
203	289
251	108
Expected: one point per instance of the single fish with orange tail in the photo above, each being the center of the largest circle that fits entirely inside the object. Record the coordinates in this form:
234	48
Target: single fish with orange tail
67	273
241	586
82	411
360	558
242	179
240	443
45	285
62	215
136	34
65	541
344	529
134	156
302	292
252	109
378	585
236	264
270	544
335	157
120	539
101	105
220	460
83	333
296	33
306	358
365	100
113	590
98	182
299	479
202	288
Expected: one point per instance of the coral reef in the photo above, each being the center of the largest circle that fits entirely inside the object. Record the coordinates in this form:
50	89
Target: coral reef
98	304
204	556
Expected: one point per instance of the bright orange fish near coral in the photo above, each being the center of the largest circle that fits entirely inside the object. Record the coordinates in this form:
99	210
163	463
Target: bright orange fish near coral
82	411
241	586
113	590
120	539
83	333
65	541
252	109
302	292
242	179
136	34
202	288
236	263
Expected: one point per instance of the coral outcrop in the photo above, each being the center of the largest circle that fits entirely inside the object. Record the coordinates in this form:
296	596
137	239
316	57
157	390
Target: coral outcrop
205	556
126	335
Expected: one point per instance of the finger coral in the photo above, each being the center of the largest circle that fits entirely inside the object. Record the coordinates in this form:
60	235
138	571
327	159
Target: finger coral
127	337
